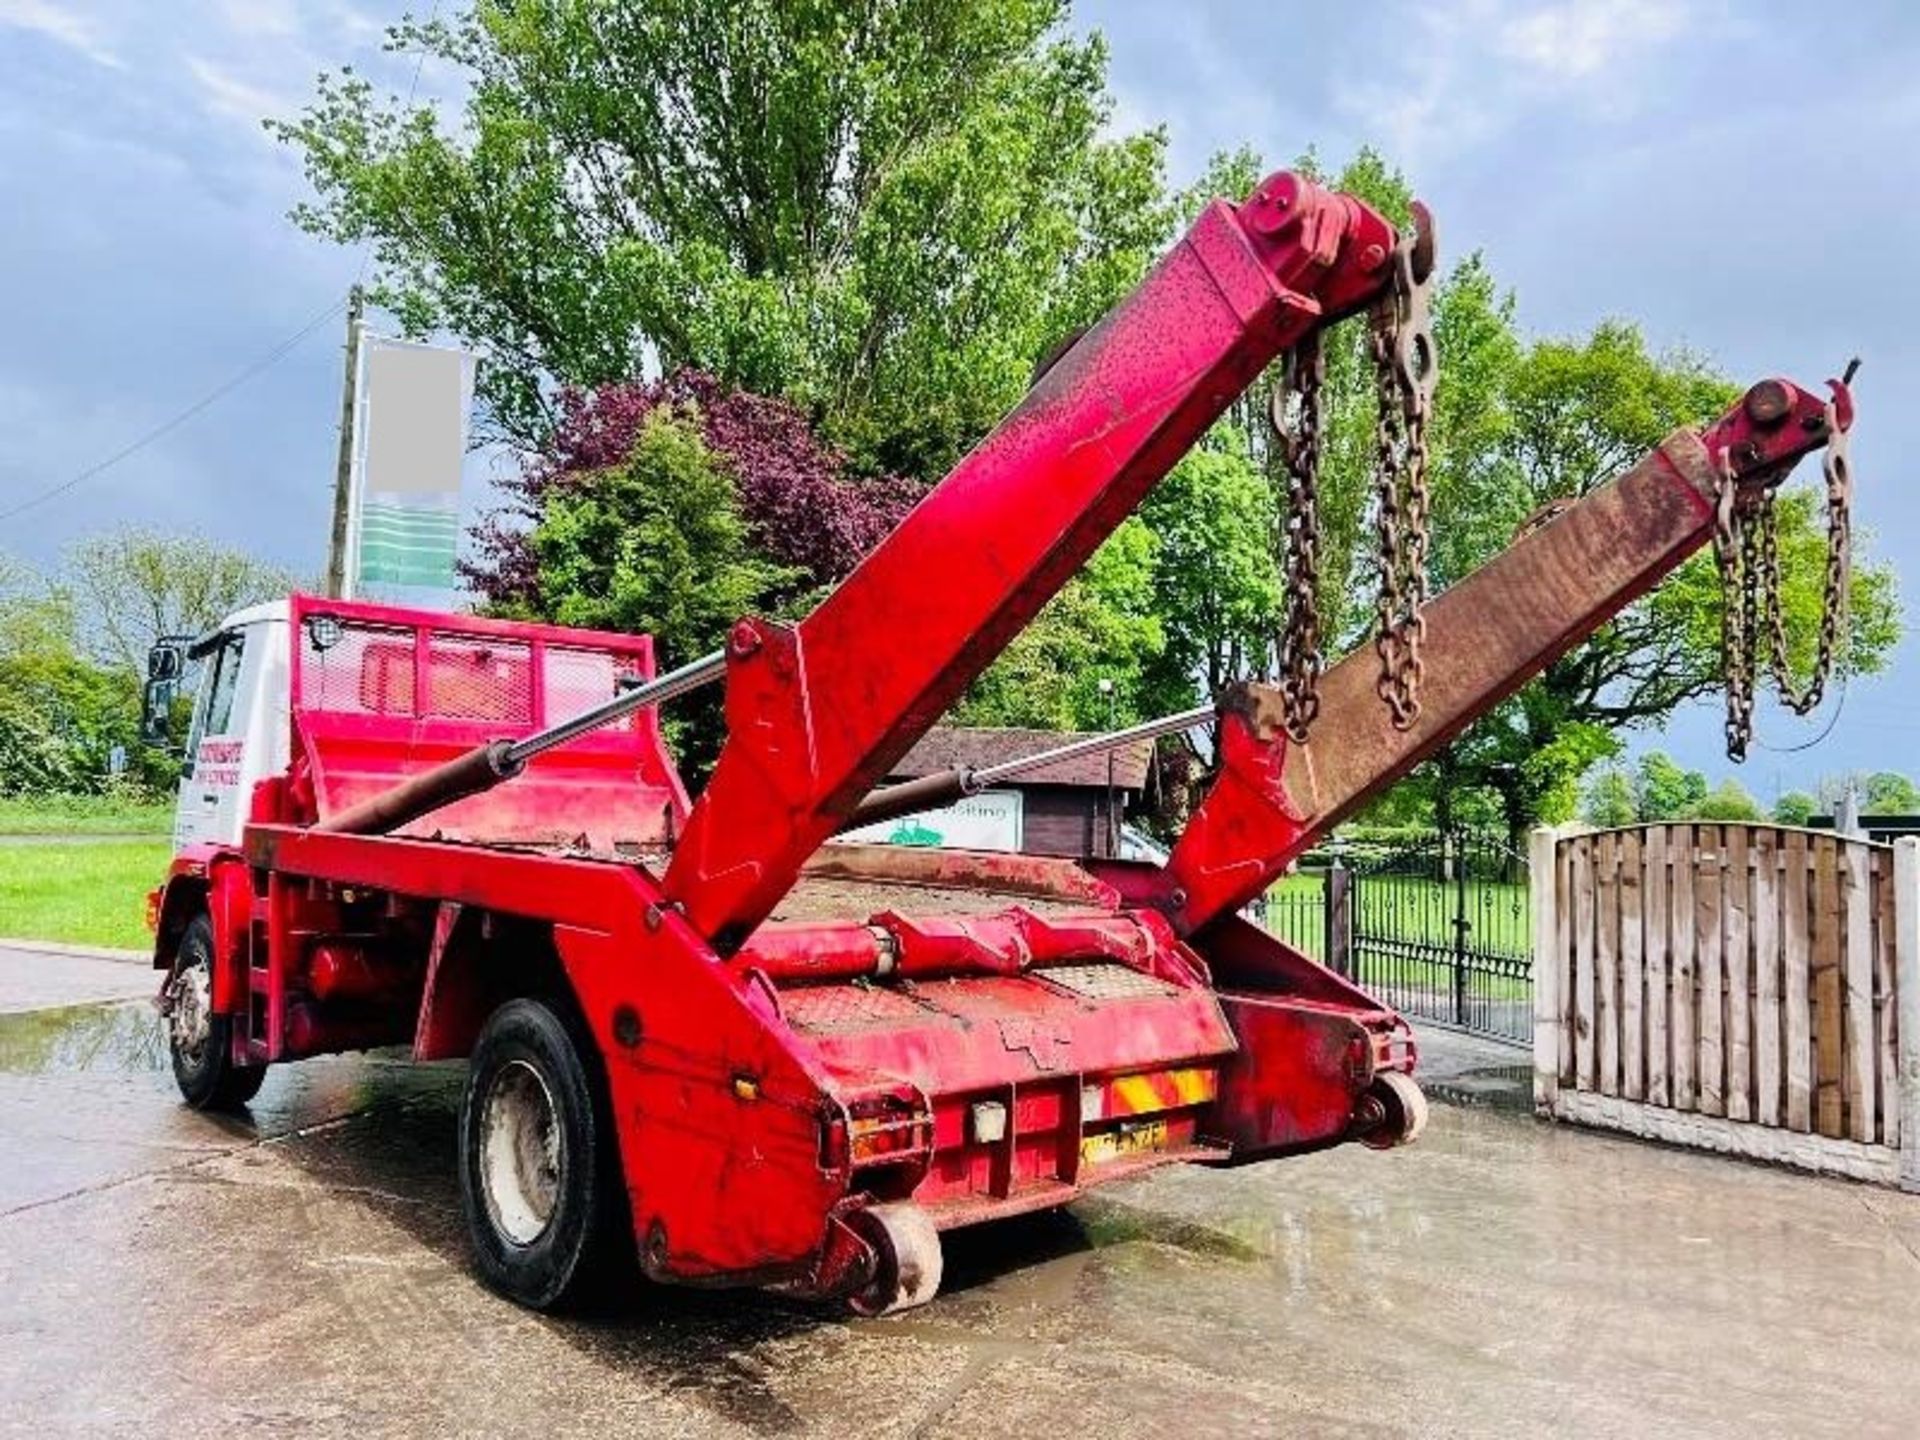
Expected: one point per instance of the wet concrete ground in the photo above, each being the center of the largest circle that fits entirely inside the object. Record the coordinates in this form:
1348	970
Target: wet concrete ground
303	1272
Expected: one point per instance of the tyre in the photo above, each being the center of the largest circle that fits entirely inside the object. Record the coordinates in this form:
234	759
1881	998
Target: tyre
539	1174
201	1041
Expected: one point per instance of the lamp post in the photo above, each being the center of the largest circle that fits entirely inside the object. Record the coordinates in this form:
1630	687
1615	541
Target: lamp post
1113	820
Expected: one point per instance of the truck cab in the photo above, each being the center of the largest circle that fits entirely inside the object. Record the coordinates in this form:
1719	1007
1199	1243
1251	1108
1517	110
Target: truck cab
238	734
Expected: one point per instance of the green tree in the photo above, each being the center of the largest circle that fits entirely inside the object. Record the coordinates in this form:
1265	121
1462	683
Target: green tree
1795	807
1214	584
61	713
1890	793
1517	426
1609	800
887	211
1729	800
1664	789
132	585
1578	413
654	544
1101	626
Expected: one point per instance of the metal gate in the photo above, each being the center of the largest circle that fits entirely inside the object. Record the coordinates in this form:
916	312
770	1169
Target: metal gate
1439	927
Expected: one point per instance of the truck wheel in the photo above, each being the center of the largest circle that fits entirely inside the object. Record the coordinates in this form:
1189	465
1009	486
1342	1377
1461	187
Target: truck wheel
201	1041
539	1182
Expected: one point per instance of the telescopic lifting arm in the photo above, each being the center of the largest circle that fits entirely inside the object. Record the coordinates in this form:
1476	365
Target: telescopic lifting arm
817	712
1486	637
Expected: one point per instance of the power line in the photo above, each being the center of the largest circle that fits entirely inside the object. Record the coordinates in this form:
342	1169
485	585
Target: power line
166	428
226	387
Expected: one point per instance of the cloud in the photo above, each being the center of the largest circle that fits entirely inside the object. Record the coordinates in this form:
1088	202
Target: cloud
1578	39
1472	68
227	94
270	18
55	22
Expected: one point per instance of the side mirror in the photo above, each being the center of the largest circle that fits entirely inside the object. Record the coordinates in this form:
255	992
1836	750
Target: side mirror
156	710
165	662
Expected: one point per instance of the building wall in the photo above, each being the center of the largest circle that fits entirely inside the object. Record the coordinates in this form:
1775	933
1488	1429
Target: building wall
1064	820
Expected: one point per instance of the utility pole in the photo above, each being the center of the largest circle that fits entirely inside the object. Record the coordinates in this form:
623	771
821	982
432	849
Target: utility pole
343	471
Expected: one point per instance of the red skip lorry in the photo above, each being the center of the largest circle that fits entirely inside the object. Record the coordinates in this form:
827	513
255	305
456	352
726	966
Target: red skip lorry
699	1033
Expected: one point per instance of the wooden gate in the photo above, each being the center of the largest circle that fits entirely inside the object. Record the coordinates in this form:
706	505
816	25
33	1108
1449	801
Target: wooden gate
1735	987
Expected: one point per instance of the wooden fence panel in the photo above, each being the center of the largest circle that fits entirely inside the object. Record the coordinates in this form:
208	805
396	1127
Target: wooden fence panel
1564	969
1684	1003
1712	983
1737	893
1884	1002
1655	855
1795	949
1606	958
1766	977
1633	1068
1861	1052
1585	990
1829	1098
1709	963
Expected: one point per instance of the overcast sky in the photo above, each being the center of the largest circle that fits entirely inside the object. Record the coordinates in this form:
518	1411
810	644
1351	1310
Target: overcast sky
1738	178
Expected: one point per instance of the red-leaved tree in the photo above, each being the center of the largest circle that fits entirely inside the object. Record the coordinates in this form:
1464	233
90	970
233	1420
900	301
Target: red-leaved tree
805	511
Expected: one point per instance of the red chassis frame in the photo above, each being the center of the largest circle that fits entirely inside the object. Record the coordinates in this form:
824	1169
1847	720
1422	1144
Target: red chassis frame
769	1078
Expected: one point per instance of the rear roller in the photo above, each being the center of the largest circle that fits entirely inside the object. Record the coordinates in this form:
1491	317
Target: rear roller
1392	1112
907	1258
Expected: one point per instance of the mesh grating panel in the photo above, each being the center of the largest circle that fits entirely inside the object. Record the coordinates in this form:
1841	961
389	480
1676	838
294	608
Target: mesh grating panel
577	680
994	998
833	1008
357	669
1104	981
479	678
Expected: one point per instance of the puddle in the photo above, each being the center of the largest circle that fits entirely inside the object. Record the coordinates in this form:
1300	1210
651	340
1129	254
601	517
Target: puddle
1499	1087
1111	1222
124	1037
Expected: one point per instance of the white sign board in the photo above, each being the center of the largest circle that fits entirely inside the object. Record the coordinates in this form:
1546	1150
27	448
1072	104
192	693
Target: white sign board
405	533
987	821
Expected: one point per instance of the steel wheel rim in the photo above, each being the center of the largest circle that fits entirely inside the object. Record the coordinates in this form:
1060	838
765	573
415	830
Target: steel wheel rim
190	1009
520	1153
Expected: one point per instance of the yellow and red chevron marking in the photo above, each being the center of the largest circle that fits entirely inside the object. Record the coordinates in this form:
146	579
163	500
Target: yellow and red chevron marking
1159	1090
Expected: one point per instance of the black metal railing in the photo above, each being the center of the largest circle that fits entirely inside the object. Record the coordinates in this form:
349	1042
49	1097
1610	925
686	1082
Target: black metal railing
1296	911
1437	926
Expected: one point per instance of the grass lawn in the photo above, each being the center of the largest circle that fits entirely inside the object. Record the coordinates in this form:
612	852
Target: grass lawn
89	894
83	815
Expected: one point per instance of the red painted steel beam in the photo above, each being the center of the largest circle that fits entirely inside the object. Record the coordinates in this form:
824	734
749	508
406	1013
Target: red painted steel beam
818	712
1486	637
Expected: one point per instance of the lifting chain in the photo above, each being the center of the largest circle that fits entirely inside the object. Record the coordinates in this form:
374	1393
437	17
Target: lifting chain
1302	651
1400	336
1400	343
1746	543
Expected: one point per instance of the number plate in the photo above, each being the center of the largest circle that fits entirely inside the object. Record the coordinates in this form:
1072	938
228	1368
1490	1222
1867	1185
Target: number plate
1117	1144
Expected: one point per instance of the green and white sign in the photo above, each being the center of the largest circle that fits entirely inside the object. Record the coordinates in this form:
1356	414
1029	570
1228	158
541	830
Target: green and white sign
990	820
411	451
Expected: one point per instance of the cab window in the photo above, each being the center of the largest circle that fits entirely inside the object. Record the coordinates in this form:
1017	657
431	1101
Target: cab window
220	683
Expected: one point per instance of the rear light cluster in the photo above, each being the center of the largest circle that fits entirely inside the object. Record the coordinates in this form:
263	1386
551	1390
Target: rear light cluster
885	1130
